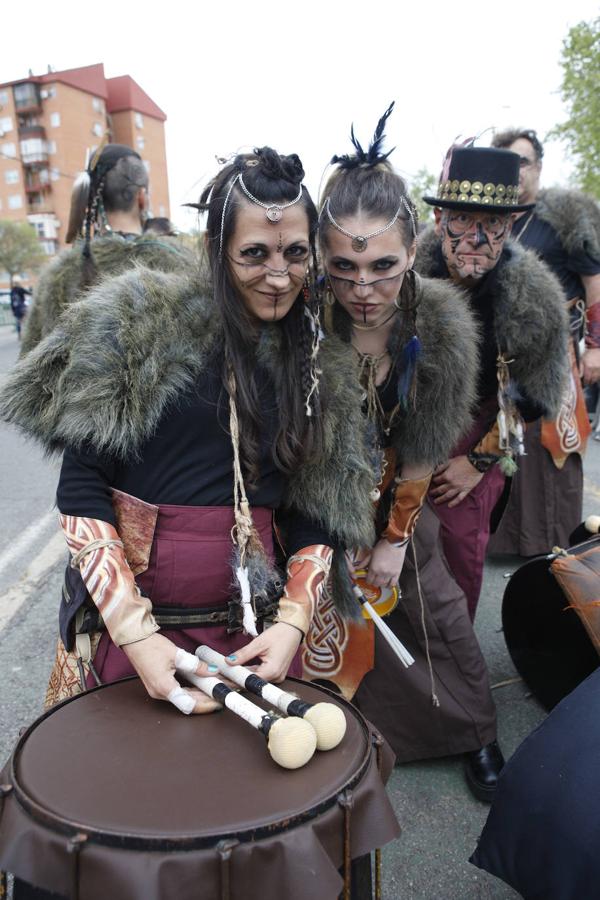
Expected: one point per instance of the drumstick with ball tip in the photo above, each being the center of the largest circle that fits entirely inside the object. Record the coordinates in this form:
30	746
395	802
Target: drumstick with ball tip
291	742
327	719
387	634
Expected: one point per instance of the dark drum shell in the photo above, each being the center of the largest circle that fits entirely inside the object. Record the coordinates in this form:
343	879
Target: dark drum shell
148	799
546	640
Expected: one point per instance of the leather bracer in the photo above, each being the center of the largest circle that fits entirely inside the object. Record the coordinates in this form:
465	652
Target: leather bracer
307	572
97	551
408	501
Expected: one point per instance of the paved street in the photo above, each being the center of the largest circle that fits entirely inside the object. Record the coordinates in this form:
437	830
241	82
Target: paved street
441	821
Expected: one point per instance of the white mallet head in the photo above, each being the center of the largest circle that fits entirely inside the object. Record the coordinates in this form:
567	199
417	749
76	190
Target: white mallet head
592	524
291	742
329	722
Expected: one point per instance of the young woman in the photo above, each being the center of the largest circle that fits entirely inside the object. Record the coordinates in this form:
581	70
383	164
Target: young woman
416	343
189	414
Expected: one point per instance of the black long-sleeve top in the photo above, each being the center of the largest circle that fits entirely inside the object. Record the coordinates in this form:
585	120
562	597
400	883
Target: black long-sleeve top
188	461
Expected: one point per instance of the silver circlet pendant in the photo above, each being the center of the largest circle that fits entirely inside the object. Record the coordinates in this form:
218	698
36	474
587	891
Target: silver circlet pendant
274	214
359	243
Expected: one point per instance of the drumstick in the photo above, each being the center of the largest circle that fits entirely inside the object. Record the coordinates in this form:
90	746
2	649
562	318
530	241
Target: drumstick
327	719
291	742
387	634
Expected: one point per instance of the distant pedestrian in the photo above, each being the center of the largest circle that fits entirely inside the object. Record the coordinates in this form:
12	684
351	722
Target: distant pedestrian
18	304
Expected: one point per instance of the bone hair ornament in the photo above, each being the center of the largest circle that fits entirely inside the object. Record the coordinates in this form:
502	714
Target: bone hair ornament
291	742
327	719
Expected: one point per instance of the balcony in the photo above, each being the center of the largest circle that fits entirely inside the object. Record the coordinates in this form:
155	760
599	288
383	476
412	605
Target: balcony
32	131
27	98
37	186
33	150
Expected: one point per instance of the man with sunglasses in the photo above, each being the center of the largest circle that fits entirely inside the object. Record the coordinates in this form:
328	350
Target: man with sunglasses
563	228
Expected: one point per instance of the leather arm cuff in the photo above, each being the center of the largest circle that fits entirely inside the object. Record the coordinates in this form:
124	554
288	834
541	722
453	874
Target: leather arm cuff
592	333
409	498
307	571
97	552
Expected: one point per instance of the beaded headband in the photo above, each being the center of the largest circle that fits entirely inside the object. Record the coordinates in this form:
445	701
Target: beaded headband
361	241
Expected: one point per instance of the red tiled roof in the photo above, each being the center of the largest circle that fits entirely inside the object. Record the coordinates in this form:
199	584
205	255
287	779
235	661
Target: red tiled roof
87	78
125	94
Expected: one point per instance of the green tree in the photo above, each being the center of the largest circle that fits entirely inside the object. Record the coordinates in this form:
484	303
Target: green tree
20	249
580	91
423	183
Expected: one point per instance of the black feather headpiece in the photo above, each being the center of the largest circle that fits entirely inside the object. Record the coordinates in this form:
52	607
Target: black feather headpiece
373	155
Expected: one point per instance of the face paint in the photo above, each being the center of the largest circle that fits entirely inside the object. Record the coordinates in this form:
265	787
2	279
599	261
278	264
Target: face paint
280	243
472	242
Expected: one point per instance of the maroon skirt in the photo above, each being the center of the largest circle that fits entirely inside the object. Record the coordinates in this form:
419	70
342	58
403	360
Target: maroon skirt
190	566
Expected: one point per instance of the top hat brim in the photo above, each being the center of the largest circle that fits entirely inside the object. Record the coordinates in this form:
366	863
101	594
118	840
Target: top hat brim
481	207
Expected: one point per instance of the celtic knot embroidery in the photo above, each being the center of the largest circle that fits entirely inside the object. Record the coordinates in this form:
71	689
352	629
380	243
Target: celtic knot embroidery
326	640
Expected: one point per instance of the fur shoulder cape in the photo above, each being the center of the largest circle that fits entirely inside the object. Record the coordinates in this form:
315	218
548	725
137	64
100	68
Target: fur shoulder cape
119	357
60	282
530	320
446	372
574	216
446	375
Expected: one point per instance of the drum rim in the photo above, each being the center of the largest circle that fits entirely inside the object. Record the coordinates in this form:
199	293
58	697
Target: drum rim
128	840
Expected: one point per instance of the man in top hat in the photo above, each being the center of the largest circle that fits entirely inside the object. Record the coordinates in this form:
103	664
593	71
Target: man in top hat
523	366
563	228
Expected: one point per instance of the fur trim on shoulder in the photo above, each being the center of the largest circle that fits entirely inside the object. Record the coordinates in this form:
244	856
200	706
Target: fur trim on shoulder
60	282
117	358
532	327
530	319
574	216
447	370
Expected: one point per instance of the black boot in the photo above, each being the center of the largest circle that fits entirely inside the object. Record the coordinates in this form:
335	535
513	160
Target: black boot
482	768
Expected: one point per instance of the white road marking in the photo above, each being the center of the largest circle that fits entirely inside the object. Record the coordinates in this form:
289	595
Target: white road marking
18	547
34	576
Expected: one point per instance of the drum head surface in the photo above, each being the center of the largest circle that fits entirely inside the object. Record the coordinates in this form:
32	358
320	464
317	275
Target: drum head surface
545	638
114	761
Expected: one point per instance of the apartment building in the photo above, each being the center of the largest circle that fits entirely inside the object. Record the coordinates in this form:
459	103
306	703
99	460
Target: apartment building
48	123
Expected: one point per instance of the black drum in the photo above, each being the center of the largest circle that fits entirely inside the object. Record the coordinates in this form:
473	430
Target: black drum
113	795
544	635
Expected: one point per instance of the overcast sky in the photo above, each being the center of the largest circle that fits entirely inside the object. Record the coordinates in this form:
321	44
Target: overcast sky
241	73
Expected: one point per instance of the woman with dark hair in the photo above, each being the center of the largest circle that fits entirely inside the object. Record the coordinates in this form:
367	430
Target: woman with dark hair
189	414
416	343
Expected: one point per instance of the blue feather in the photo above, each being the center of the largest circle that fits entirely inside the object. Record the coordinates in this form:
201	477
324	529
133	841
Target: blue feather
408	368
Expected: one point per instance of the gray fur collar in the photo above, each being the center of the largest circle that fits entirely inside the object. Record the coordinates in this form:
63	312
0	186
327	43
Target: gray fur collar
574	216
530	320
118	358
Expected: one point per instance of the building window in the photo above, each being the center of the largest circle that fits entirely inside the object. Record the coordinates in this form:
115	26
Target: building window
54	174
97	129
139	120
8	150
3	98
51	146
26	95
97	104
49	247
147	166
11	176
6	124
162	211
140	142
55	119
15	201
